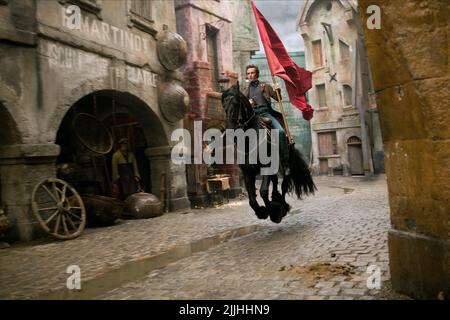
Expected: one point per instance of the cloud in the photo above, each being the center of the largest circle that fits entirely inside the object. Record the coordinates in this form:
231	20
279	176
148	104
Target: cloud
282	16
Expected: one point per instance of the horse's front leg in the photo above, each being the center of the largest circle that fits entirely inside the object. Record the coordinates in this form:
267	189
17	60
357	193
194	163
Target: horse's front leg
250	179
264	192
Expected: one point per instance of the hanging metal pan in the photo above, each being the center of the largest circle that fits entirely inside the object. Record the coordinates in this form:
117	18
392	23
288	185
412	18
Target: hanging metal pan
92	134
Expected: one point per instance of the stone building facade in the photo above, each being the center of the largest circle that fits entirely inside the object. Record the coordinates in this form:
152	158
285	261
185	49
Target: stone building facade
245	36
207	28
108	59
346	137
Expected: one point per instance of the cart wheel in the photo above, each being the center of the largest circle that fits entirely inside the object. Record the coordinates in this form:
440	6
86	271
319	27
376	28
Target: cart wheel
58	208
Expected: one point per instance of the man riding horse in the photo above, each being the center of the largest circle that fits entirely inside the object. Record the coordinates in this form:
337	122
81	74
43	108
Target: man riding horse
252	110
259	94
297	179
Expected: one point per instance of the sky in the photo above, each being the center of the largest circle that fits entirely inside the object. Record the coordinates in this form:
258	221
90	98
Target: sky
282	16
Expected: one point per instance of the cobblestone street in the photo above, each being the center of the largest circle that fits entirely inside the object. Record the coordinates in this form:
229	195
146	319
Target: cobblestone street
321	250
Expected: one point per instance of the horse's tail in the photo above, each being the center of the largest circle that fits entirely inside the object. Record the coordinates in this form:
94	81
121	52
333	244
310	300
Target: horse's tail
300	179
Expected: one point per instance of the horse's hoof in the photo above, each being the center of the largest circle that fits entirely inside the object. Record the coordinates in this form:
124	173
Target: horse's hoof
276	218
275	208
286	208
262	213
276	212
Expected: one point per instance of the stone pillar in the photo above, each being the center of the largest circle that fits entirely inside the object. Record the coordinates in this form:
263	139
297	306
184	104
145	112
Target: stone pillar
315	166
378	151
198	85
409	56
160	163
22	167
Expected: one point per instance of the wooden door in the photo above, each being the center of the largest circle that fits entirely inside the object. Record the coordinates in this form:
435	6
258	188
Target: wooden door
327	143
355	156
323	166
327	147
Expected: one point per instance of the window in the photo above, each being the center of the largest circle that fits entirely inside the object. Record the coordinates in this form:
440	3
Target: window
141	16
329	31
211	47
327	143
93	6
317	53
344	49
354	140
321	96
347	95
142	8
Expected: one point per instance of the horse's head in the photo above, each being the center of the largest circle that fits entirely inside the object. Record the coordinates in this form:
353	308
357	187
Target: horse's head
237	108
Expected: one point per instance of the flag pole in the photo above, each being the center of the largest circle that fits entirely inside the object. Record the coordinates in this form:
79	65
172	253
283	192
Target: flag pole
280	103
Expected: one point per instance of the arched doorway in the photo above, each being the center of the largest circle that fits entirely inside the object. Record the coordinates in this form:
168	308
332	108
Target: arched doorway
355	156
123	116
125	125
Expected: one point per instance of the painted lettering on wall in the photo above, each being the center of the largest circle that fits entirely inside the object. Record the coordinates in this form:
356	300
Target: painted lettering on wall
103	32
71	59
141	77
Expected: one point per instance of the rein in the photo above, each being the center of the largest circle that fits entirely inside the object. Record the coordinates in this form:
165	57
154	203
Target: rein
246	122
243	125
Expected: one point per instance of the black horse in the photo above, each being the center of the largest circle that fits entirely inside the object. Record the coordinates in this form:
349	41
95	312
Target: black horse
240	115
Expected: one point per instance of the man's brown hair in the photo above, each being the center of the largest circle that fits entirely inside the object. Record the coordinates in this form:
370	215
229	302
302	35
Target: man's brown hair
252	66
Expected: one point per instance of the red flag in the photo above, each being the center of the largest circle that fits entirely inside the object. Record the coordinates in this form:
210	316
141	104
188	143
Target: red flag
297	79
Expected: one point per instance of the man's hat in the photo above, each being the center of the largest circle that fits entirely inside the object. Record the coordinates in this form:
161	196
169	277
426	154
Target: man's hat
123	140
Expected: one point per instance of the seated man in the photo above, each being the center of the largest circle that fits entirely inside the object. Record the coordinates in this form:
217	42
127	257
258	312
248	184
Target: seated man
259	94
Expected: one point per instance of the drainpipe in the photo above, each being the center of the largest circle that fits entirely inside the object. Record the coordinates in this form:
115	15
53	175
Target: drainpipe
360	100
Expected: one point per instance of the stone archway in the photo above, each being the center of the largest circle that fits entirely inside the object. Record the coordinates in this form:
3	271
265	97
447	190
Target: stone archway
157	133
124	116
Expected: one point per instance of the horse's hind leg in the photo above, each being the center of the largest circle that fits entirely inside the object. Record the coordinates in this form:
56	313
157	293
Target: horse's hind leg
260	211
275	208
278	205
281	198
